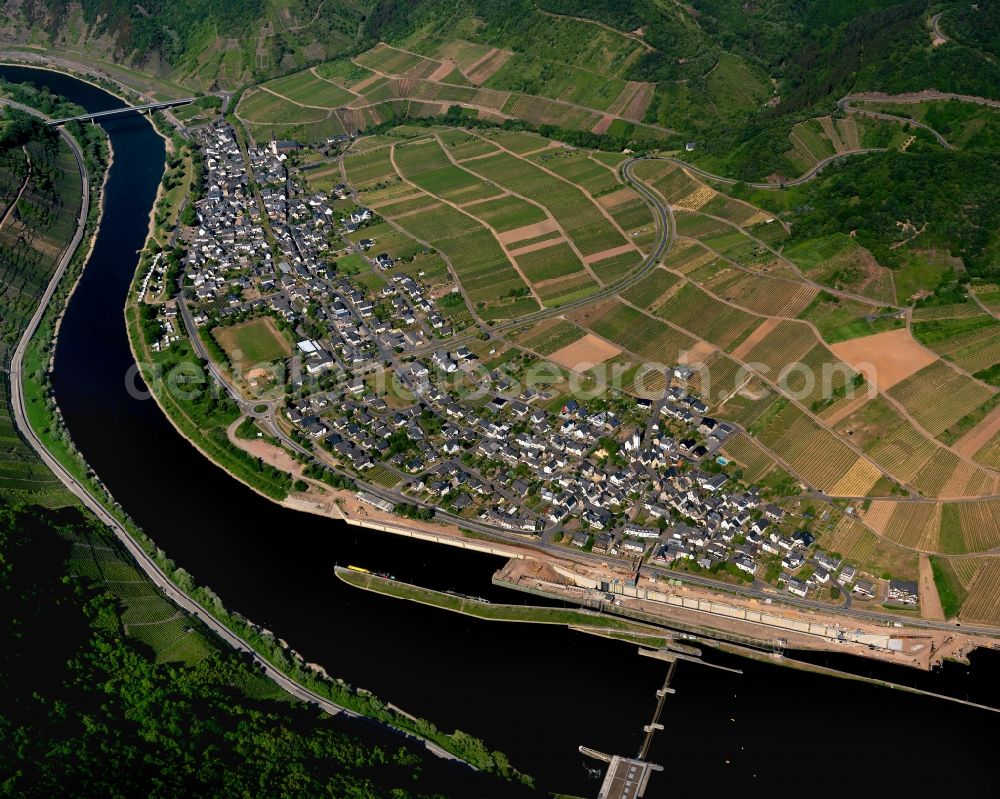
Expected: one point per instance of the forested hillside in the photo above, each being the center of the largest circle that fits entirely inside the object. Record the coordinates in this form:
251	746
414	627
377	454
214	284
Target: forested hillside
202	43
86	709
730	75
952	199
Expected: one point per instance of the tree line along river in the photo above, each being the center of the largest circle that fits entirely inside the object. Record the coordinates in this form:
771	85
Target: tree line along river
534	692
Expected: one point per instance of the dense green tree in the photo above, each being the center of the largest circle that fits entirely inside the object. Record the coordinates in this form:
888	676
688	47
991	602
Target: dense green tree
85	711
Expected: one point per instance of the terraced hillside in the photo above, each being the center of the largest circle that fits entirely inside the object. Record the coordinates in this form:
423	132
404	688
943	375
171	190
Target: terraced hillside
525	223
387	82
522	222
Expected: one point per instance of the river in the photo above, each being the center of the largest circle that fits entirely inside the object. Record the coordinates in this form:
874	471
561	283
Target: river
534	692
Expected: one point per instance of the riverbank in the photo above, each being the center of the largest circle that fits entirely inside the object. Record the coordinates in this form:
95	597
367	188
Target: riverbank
763	623
90	249
308	676
41	424
481	609
97	76
34	415
536	691
645	635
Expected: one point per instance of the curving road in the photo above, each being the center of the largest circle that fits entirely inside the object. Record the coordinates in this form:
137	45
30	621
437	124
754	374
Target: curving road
818	167
664	219
935	25
149	567
665	239
845	105
666	235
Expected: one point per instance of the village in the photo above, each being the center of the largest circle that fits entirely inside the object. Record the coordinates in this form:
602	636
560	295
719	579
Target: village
377	387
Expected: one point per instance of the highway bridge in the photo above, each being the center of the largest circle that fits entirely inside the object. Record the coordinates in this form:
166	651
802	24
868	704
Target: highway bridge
125	109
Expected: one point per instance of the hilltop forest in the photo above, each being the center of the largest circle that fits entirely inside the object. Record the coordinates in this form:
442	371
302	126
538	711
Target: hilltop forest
734	76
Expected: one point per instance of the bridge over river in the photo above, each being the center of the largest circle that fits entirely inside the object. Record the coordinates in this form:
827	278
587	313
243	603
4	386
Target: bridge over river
124	110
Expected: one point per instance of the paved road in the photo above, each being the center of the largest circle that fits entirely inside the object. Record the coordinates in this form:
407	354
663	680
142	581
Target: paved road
664	218
199	348
846	105
124	110
935	26
82	492
665	223
664	242
816	169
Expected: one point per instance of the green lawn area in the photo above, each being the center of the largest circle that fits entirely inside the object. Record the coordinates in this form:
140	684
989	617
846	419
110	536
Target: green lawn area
920	271
370	280
949	587
253	342
351	264
810	253
735	87
840	319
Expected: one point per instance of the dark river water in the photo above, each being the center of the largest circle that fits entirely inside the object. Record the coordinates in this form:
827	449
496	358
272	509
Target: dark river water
534	692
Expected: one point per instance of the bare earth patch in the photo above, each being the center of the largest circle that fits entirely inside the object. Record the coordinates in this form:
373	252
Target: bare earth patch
627	93
585	352
885	358
529	231
636	108
442	71
930	602
973	441
359	87
755	338
699	353
586	315
617	197
482	70
267	452
603	124
600	256
538	245
842	413
440	291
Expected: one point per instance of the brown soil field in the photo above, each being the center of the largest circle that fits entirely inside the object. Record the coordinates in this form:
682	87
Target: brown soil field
973	441
755	338
700	352
528	231
600	256
930	602
636	108
538	245
588	314
442	71
623	98
617	197
842	413
589	350
603	124
359	87
482	70
884	358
